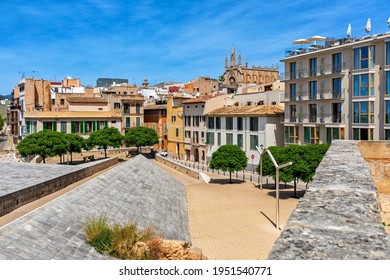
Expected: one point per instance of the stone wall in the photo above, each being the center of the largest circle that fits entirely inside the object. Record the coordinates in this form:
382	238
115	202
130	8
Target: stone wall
20	197
339	216
179	167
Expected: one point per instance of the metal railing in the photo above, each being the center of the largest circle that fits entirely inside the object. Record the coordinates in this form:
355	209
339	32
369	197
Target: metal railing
320	70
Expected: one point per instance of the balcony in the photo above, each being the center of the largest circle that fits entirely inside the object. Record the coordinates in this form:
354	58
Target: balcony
321	70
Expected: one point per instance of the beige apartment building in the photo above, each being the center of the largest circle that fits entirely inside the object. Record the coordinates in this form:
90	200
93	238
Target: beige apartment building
338	90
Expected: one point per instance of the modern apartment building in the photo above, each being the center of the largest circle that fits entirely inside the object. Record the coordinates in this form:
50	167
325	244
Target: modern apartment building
340	90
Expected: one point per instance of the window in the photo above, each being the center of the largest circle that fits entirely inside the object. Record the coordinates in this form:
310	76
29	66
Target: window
363	85
313	90
53	101
75	127
218	123
62	101
387	82
336	88
311	135
210	122
363	112
137	121
229	123
229	139
187	121
154	126
137	108
387	112
117	105
363	133
387	53
240	123
253	124
291	134
336	113
173	118
312	112
196	137
254	141
177	132
293	70
195	121
313	66
293	112
387	134
187	134
126	108
88	127
219	139
165	129
210	138
240	140
50	126
363	58
334	133
337	63
128	122
293	92
64	127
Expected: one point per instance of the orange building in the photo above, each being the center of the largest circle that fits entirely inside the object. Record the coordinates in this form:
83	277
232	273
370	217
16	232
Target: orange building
155	117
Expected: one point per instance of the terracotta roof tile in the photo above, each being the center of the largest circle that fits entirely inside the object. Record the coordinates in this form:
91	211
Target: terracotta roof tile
74	99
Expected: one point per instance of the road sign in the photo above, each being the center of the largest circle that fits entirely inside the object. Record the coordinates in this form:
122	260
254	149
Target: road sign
252	156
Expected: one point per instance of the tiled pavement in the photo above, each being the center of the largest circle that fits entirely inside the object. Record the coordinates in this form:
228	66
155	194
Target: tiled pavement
126	192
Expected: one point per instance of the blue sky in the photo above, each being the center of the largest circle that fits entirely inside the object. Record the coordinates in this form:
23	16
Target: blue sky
163	40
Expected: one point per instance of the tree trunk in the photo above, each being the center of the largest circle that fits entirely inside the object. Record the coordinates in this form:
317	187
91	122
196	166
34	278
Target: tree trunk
295	187
105	152
71	158
43	159
230	177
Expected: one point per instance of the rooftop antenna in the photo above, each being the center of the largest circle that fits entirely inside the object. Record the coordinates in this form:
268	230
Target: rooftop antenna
23	74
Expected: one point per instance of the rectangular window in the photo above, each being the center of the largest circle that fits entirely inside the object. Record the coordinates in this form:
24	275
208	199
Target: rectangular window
313	90
173	118
291	134
387	112
187	134
187	121
196	121
337	63
53	101
293	112
387	53
210	138
210	122
240	123
363	57
218	123
128	122
229	123
363	133
229	138
137	108
165	129
363	112
312	112
62	101
336	88
137	121
240	140
387	134
177	132
387	82
334	133
254	124
293	70
196	137
293	92
126	108
313	66
117	105
64	127
254	141
219	139
311	135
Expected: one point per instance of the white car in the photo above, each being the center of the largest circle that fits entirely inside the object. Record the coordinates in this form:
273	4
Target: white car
164	153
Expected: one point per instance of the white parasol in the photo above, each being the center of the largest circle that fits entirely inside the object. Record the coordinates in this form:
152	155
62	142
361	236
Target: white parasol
349	31
368	26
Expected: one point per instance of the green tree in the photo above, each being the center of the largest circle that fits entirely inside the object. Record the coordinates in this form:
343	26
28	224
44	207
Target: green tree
76	144
221	78
44	143
229	158
141	136
106	137
1	122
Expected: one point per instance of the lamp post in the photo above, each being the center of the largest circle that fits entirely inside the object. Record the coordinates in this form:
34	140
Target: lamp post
261	151
278	167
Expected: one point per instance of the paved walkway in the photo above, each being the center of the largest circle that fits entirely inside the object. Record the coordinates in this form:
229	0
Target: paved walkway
233	221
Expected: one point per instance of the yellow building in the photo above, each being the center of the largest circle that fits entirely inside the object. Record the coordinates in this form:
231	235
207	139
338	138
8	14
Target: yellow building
175	127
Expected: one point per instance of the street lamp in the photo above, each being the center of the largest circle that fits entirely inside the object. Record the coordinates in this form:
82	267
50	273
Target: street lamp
278	167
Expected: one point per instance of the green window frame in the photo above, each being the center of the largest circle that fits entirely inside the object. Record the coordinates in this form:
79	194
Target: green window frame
254	141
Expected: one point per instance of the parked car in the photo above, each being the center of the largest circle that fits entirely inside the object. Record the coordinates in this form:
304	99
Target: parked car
164	153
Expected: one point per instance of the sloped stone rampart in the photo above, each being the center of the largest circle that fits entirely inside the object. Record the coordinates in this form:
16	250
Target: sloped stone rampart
339	216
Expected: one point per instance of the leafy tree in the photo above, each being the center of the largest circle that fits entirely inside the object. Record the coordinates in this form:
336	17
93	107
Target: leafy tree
44	143
106	137
229	158
1	122
141	136
76	143
221	78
